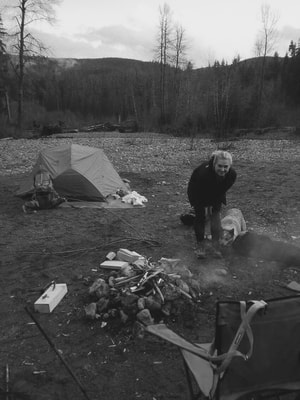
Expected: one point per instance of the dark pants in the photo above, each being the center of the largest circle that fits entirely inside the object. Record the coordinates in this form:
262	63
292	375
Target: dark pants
215	222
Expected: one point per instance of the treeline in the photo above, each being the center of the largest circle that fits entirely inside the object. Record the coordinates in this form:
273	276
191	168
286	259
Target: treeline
219	98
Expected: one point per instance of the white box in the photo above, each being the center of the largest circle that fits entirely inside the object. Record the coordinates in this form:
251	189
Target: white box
50	298
113	264
127	255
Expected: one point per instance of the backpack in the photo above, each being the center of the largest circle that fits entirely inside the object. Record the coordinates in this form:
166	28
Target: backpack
43	182
44	192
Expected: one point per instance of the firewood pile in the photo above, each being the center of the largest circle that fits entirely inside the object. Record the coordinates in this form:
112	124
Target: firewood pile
135	289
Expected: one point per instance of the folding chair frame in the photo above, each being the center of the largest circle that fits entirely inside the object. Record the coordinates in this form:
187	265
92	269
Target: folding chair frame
218	364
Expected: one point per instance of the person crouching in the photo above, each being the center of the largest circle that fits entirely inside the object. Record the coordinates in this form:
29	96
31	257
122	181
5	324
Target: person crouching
206	191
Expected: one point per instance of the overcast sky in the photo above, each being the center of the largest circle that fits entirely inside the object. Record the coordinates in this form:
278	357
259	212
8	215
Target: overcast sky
214	29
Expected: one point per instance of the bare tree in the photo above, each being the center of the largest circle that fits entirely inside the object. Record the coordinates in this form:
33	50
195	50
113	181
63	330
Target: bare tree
264	45
179	47
221	91
25	45
268	36
170	51
162	51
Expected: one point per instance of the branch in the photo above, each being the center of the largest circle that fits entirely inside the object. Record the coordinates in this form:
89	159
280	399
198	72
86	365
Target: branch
150	242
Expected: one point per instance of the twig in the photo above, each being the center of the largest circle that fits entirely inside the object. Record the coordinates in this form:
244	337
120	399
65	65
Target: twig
58	354
185	294
126	223
158	290
126	280
7	382
148	241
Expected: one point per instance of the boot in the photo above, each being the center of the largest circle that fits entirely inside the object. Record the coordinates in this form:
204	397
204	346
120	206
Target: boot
200	250
213	250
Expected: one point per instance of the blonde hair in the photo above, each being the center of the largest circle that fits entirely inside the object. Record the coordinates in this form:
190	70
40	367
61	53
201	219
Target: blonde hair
223	155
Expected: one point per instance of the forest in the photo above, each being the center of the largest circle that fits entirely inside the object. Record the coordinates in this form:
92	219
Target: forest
218	98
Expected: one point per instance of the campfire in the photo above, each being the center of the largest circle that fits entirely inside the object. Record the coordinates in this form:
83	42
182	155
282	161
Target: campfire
134	288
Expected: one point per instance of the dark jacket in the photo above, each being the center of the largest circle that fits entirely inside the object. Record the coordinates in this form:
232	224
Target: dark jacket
206	188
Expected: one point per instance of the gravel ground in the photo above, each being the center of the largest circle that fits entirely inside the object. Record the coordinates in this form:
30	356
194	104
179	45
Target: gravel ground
155	153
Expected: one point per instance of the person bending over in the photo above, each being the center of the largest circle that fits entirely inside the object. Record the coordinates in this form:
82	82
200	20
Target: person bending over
207	189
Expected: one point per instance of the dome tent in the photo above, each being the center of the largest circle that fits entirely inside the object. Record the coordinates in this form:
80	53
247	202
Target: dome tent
78	173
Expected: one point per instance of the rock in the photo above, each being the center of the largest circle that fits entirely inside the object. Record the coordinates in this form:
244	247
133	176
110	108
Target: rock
294	286
105	316
152	303
127	271
91	311
102	304
111	281
195	294
138	330
123	316
129	303
141	303
195	285
166	308
168	264
182	285
99	288
113	312
171	293
183	271
221	271
145	317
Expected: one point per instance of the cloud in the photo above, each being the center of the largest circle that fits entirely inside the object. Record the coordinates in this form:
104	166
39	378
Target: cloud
289	33
285	35
116	34
108	41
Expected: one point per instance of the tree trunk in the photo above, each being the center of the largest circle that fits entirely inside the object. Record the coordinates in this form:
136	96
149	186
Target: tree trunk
21	65
7	107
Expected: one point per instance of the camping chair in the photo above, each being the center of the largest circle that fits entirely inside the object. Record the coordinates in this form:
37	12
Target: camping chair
255	352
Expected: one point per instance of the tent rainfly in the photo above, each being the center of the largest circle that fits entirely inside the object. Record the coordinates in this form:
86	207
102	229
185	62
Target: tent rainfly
78	173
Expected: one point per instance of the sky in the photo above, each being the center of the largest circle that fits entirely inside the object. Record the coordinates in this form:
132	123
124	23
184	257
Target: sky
213	29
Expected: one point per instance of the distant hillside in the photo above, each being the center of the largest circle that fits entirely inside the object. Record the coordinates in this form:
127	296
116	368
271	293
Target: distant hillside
221	98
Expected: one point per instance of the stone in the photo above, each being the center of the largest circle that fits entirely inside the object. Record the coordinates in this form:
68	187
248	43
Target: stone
194	284
145	317
102	304
171	293
91	311
141	303
221	271
166	309
152	303
182	285
123	316
129	303
113	312
99	288
127	270
168	264
294	286
111	281
138	330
